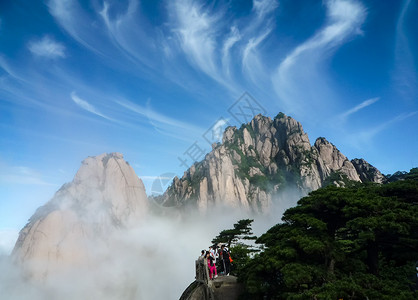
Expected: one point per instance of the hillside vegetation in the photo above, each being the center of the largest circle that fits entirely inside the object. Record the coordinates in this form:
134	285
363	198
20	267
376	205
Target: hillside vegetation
356	242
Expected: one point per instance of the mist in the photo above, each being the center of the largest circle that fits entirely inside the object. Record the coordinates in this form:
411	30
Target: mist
154	259
7	239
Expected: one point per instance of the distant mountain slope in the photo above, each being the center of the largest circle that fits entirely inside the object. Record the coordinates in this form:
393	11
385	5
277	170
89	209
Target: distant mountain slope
259	160
105	195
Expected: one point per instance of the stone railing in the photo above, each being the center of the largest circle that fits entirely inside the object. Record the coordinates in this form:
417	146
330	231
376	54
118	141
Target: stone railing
224	287
201	288
202	271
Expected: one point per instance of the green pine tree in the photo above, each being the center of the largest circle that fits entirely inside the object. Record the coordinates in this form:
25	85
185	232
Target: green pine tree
356	242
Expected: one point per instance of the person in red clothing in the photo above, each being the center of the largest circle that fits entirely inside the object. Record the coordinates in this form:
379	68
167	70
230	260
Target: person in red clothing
211	266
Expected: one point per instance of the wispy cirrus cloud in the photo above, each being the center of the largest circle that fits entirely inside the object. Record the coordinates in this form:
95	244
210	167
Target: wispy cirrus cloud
47	47
233	37
251	62
128	35
264	7
87	106
218	128
217	48
9	70
262	11
197	28
358	107
405	75
181	52
255	33
164	124
75	22
197	38
21	175
301	67
366	136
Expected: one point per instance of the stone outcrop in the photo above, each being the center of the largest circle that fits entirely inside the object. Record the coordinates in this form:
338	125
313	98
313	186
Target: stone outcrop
104	195
259	160
367	172
220	288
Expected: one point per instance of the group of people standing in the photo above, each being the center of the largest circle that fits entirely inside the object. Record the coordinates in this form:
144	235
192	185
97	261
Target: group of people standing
217	257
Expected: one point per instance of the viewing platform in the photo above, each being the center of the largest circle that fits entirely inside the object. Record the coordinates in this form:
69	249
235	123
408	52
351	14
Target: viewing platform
221	288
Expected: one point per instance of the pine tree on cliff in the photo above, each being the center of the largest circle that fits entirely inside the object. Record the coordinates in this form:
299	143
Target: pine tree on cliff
242	230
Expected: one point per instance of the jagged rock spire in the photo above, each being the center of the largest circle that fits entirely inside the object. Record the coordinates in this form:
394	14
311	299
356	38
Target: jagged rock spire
259	160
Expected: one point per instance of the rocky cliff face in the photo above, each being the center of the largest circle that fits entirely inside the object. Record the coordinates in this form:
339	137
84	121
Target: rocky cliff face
367	172
259	160
105	194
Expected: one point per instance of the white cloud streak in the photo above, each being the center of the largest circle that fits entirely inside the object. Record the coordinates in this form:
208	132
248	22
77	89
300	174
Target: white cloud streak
47	47
218	129
264	7
10	71
87	106
359	107
257	31
197	29
127	34
21	175
192	41
49	91
230	41
200	32
344	20
366	136
121	40
75	22
251	63
162	123
405	75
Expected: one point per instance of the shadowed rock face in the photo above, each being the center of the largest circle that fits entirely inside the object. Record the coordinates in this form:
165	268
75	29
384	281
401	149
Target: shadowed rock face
104	195
257	162
367	172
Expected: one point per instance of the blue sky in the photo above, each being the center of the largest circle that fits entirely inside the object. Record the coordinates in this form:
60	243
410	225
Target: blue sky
150	78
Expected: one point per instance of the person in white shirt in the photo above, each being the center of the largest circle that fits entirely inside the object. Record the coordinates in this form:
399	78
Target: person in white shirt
214	254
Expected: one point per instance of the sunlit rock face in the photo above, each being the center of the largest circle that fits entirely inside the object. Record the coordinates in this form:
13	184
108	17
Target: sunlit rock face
104	196
258	161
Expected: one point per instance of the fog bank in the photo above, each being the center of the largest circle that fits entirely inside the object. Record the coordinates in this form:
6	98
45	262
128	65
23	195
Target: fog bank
153	260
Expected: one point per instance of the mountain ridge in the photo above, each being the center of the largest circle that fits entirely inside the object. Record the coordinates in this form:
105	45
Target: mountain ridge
253	166
257	161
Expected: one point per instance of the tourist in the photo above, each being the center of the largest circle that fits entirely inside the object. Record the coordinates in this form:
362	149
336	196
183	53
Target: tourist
221	264
214	252
211	266
226	260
